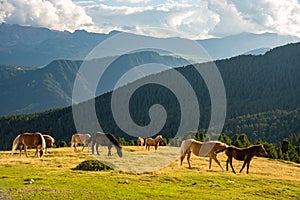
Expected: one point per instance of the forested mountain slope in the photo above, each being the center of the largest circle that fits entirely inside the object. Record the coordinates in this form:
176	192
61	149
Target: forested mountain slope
254	84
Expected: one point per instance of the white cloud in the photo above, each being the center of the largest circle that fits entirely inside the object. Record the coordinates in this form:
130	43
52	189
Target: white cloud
54	14
278	16
133	1
200	18
190	18
186	19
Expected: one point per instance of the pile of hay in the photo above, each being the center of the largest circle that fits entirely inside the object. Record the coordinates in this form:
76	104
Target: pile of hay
93	165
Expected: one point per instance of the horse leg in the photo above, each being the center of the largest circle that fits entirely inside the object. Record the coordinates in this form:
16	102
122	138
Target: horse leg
109	151
230	161
74	145
21	147
210	159
93	147
244	164
36	152
25	149
227	161
82	148
188	159
97	149
217	161
248	165
181	159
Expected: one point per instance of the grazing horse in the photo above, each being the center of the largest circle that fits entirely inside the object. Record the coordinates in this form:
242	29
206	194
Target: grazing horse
49	142
153	142
140	141
28	140
105	139
201	149
80	138
243	154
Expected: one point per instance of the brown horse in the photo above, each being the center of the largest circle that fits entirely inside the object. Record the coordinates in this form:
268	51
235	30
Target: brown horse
243	154
105	139
140	141
153	142
29	140
201	149
80	138
49	142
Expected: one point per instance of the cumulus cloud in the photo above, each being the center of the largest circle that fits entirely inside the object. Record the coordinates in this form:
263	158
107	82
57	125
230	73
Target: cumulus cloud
54	14
188	18
182	18
277	16
200	18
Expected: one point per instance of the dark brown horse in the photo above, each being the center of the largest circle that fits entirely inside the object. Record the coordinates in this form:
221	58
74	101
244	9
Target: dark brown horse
105	139
201	149
29	140
153	142
243	154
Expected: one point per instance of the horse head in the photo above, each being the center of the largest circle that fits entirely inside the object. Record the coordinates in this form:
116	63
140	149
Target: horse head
41	152
262	150
119	151
159	138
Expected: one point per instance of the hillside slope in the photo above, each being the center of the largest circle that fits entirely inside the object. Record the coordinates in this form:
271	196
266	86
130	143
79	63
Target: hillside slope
51	86
253	84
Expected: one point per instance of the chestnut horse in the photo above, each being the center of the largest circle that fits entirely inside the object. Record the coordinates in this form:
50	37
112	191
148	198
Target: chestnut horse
29	140
153	142
140	141
201	149
49	142
80	138
243	154
105	139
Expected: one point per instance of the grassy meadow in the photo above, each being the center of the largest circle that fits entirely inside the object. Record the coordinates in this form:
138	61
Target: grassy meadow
135	178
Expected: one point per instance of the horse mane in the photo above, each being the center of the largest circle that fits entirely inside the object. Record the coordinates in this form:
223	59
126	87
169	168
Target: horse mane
49	136
15	143
113	140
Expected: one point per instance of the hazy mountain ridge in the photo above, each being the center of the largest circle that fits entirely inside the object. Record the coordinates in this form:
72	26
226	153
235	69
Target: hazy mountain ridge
235	45
32	46
38	89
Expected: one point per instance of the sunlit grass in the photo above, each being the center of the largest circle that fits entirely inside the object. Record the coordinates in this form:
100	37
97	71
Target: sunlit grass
55	179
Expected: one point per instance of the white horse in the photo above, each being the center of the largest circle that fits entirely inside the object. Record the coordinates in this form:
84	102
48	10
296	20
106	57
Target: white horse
80	138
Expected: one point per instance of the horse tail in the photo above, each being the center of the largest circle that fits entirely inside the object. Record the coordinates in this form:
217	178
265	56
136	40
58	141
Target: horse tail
72	140
185	144
15	144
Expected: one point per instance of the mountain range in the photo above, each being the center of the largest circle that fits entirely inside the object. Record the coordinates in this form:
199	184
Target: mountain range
253	84
235	45
33	46
30	89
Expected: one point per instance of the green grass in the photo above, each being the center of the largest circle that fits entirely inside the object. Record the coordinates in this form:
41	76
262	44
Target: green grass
55	179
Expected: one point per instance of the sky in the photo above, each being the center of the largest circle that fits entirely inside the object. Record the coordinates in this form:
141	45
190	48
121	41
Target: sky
193	19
